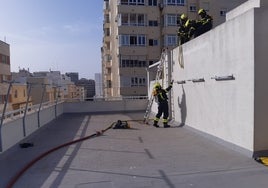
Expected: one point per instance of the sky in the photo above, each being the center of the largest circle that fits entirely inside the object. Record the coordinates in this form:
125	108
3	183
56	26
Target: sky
56	35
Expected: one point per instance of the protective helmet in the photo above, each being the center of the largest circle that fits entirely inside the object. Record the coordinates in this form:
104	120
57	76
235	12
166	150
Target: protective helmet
157	85
183	17
201	11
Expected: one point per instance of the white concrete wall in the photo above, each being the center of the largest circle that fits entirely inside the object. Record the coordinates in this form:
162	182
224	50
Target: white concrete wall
231	110
243	8
220	108
105	106
12	131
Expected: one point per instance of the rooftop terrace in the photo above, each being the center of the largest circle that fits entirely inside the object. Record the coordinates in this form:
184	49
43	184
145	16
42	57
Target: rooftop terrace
142	156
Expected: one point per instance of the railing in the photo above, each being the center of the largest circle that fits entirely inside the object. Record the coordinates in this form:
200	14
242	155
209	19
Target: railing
14	114
19	124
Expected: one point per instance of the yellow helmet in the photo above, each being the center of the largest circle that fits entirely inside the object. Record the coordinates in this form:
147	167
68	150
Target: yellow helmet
157	85
201	11
183	17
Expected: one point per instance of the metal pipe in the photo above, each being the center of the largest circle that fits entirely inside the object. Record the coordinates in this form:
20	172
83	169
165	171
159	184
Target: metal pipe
26	109
198	80
222	78
3	115
181	82
57	98
41	102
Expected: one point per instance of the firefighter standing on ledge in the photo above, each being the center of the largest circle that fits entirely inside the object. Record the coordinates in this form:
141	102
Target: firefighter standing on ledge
162	100
205	23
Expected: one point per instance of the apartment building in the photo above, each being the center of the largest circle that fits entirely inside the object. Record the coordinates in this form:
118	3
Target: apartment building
89	87
136	31
5	74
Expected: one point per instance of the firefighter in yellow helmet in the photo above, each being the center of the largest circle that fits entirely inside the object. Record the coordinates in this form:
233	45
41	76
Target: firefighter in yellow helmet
182	32
160	95
186	29
205	22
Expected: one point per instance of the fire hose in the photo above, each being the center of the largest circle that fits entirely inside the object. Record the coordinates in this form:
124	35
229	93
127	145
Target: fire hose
15	178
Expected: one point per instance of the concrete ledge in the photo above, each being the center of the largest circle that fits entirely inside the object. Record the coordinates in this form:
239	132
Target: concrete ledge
242	9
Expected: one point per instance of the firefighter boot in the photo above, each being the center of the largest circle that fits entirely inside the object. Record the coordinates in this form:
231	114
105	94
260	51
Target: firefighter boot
166	125
155	124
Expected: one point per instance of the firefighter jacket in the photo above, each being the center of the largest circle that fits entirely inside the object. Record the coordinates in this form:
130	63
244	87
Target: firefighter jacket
161	94
206	19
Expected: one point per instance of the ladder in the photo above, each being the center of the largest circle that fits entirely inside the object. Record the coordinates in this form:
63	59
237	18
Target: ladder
157	78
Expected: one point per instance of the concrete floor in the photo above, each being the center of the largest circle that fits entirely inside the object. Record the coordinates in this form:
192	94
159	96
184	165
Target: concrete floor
140	157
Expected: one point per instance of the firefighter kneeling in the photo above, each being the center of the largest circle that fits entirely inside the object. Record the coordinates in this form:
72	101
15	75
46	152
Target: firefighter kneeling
162	100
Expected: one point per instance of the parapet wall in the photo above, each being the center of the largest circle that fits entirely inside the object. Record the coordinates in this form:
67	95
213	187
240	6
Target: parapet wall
234	109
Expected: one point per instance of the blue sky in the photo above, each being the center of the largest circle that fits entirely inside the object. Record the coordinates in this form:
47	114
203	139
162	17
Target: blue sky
60	35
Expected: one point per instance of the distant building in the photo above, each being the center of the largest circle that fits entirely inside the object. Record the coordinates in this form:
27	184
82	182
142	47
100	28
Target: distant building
89	86
42	90
19	96
21	76
98	85
73	75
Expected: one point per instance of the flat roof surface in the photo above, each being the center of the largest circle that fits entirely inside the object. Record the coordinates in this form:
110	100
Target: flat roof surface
140	157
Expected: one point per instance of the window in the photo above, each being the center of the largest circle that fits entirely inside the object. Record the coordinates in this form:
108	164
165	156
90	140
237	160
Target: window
4	59
107	18
175	2
223	12
132	63
171	20
107	31
133	40
153	23
192	8
138	81
171	40
124	2
132	19
132	2
141	19
124	40
153	42
140	2
141	40
152	2
123	19
109	84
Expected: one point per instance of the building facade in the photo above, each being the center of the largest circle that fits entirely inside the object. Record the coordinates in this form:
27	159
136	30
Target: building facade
136	31
5	74
73	75
89	87
98	85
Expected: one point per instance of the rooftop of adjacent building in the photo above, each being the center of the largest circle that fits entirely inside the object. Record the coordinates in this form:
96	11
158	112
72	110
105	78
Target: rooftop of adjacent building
143	156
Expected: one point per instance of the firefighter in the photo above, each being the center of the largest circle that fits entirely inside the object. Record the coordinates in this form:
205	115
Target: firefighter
162	100
205	23
187	29
182	32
